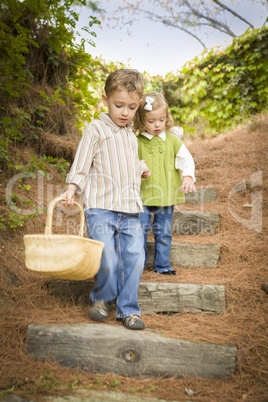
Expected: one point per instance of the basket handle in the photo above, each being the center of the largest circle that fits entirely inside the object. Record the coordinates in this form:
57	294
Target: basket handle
48	228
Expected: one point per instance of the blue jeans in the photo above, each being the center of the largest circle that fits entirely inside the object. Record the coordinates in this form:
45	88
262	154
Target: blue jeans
122	258
161	228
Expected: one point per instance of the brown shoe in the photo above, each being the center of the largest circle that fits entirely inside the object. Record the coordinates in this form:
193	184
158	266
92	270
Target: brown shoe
99	311
133	322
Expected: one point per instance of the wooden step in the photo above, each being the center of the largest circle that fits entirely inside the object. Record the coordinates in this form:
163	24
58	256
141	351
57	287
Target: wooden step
102	348
154	297
201	196
195	222
189	255
161	297
87	394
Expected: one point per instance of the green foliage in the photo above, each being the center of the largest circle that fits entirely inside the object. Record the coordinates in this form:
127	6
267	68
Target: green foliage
13	125
224	87
21	206
53	98
135	390
49	84
34	165
11	129
84	98
60	164
15	218
98	381
75	382
39	47
41	385
39	165
14	46
114	384
215	92
46	383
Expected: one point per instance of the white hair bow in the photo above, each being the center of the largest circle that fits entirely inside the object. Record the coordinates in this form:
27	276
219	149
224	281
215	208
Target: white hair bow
149	102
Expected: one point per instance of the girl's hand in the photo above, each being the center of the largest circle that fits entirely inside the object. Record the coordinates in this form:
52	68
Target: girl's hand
69	194
187	185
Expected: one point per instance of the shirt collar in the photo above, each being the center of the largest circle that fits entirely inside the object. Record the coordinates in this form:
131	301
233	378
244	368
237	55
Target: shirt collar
150	136
107	120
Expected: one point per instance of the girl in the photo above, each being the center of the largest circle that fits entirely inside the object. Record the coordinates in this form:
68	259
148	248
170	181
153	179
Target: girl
172	174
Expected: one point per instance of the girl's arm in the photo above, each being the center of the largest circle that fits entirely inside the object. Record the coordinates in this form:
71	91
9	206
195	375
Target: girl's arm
184	162
187	184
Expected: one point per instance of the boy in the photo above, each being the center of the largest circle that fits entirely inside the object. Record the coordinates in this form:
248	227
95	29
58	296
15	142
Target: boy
107	170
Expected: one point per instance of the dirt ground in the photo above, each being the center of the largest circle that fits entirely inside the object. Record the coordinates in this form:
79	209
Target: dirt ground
235	164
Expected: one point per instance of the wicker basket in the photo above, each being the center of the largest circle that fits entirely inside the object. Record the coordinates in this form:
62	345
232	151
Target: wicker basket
63	256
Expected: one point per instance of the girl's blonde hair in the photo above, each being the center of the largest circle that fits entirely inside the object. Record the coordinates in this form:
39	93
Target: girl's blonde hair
159	101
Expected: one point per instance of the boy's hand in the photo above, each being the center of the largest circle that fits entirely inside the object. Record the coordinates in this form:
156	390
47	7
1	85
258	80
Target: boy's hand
187	185
145	172
69	194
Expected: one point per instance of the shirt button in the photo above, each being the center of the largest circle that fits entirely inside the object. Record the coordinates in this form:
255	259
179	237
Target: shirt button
150	151
161	150
159	140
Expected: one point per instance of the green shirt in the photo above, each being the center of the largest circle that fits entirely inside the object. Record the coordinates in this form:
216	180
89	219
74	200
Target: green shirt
162	188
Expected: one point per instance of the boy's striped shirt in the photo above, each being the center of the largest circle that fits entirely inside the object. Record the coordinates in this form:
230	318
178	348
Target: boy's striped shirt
106	167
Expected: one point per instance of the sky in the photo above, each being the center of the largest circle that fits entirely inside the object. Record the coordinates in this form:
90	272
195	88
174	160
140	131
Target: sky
155	48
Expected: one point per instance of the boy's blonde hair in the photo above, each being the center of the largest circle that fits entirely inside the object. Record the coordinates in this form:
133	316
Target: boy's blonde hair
128	79
159	101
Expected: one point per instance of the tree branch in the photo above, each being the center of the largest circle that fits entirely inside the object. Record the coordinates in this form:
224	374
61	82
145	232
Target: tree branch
164	21
214	22
184	15
184	30
223	6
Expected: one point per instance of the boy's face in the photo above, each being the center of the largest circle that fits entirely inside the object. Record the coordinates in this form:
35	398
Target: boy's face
155	121
122	106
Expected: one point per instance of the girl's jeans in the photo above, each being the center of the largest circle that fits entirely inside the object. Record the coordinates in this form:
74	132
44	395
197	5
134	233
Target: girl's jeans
122	258
161	227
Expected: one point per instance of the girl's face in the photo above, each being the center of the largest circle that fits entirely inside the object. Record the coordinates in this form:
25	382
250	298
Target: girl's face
155	120
122	106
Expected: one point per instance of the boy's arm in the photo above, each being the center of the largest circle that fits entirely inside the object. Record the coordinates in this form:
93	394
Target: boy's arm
77	177
145	172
